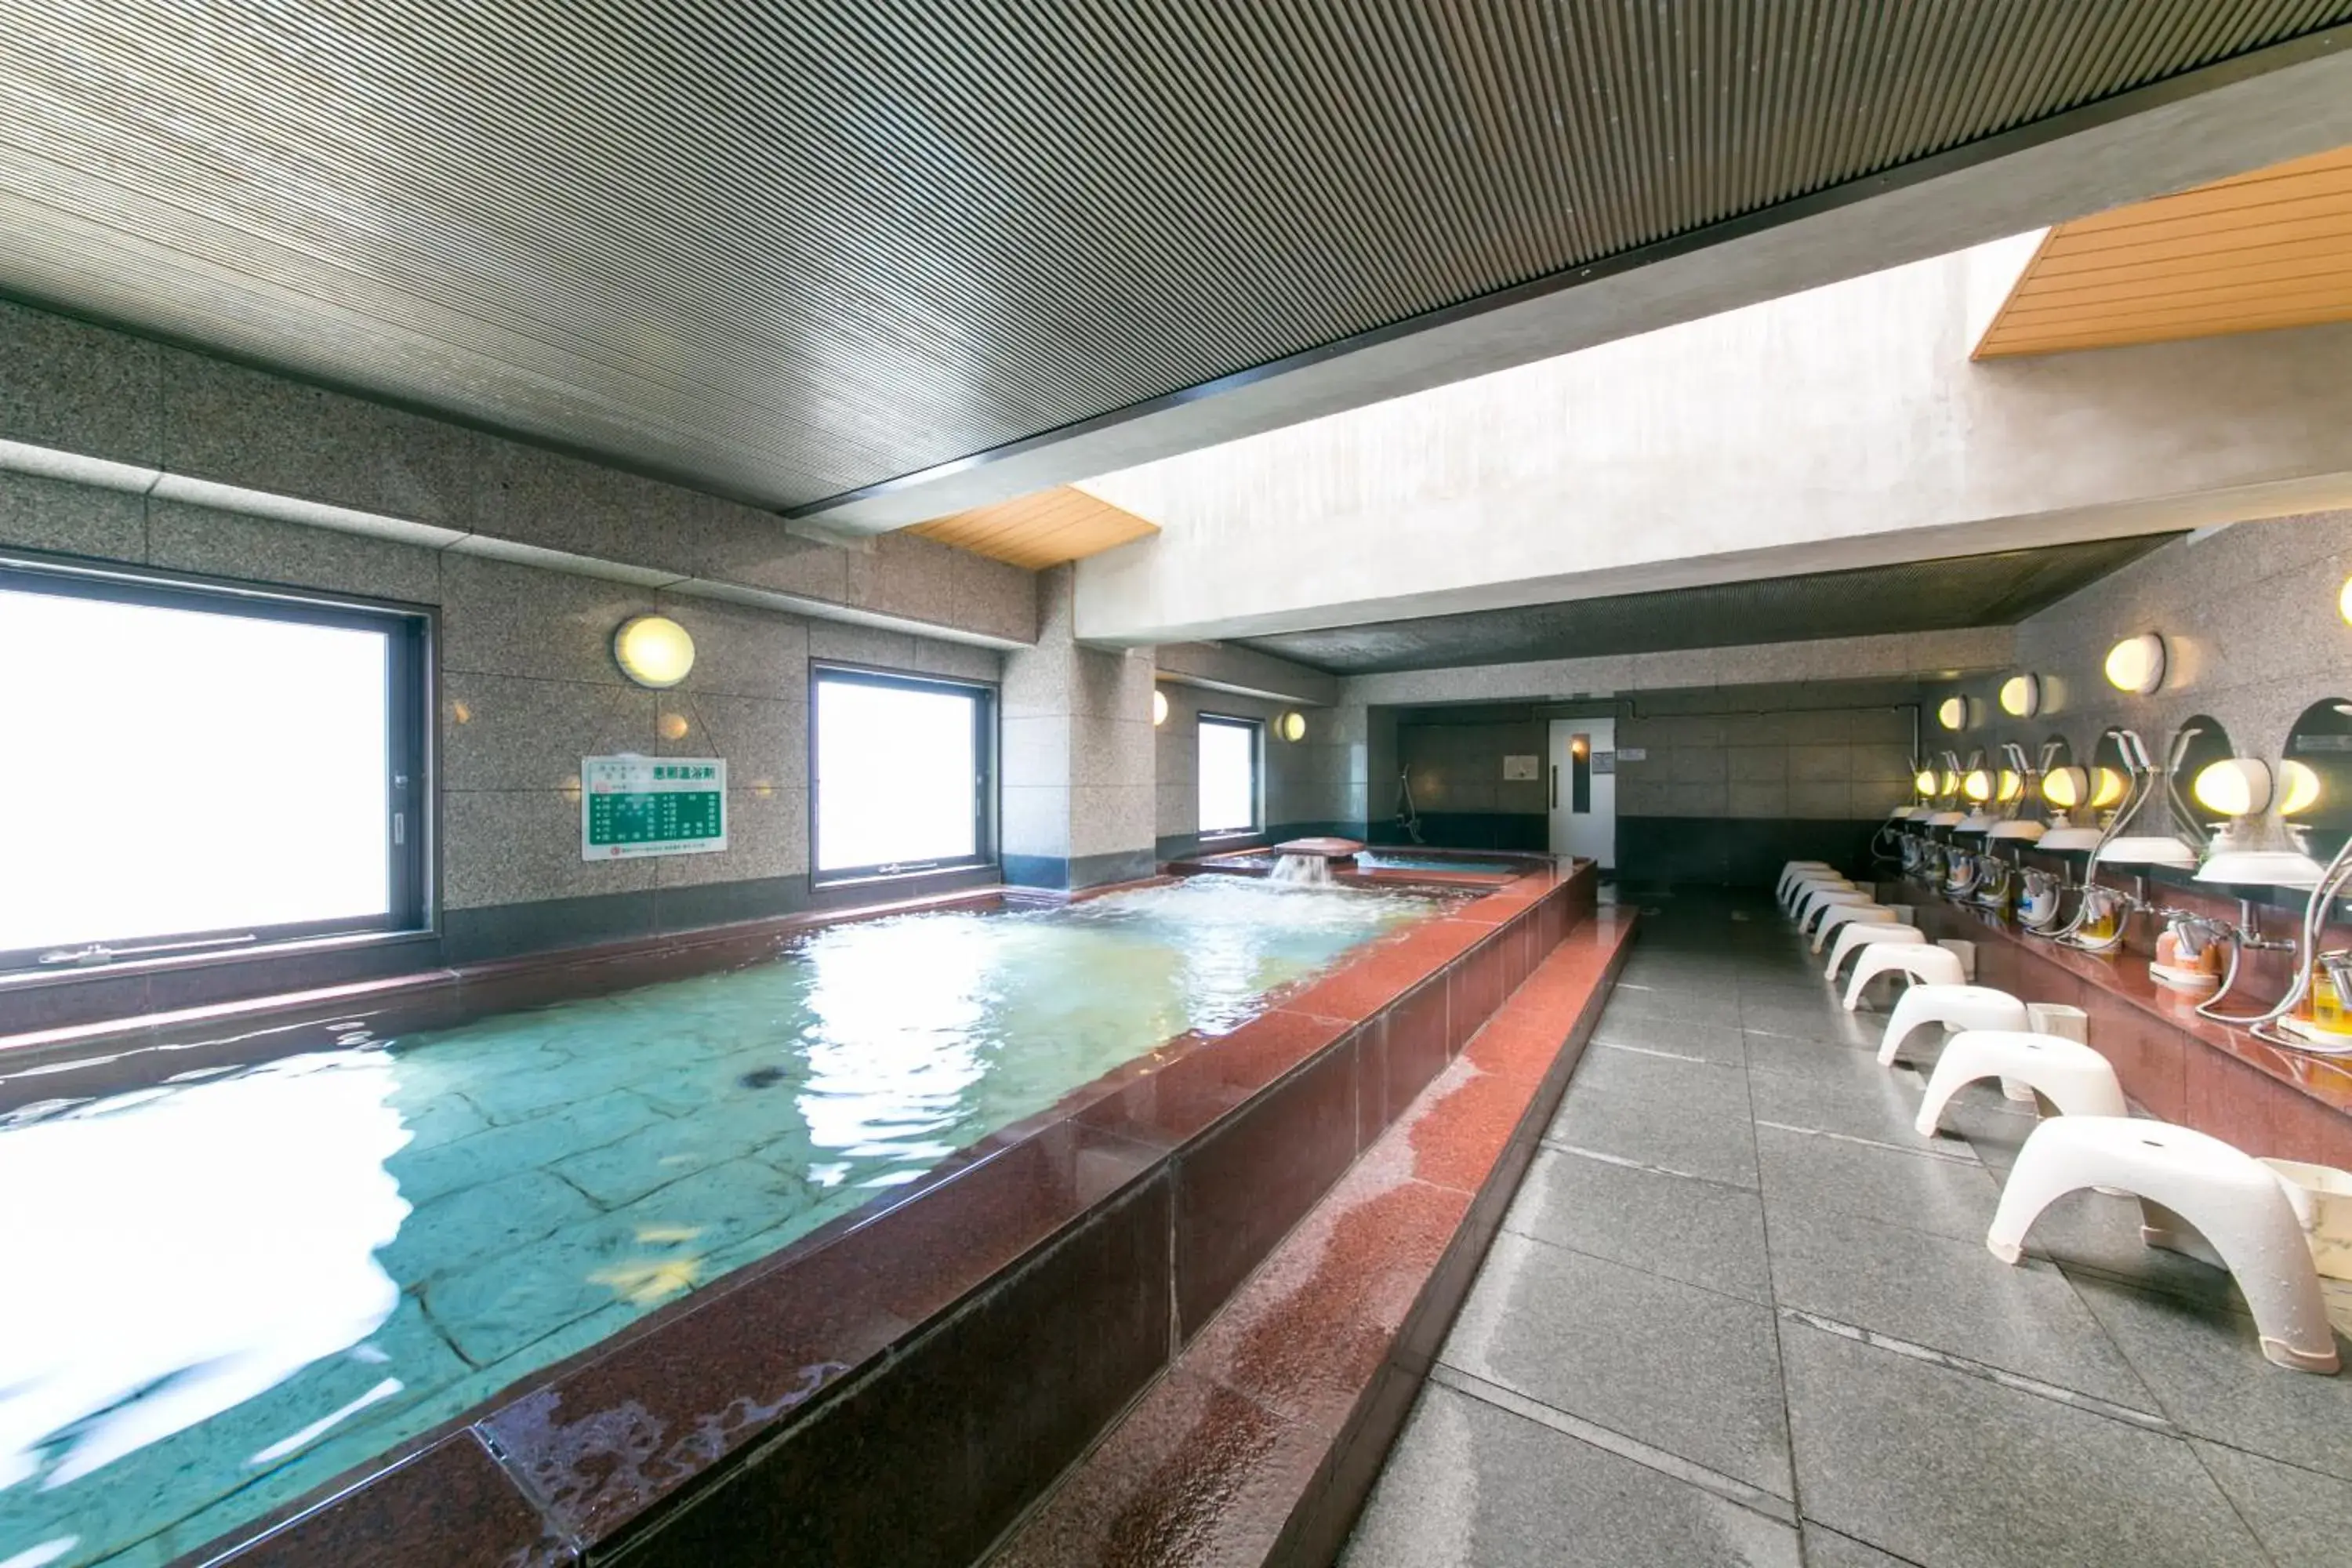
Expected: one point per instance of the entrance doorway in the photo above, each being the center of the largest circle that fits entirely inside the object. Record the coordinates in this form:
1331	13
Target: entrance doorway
1583	789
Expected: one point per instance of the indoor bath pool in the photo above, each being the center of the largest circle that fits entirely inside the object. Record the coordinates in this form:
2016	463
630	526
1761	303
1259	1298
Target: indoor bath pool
349	1245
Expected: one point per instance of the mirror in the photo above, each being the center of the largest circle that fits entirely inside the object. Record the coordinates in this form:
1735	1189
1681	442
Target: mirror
2314	787
2111	773
2198	744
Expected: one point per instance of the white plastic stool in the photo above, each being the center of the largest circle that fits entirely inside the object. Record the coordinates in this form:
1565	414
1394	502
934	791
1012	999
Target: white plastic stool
1838	915
2198	1195
1854	938
1960	1007
1818	904
1920	962
1795	868
2075	1079
1804	888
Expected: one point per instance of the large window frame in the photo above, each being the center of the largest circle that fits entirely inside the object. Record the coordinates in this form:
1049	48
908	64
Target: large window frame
410	829
1255	730
983	696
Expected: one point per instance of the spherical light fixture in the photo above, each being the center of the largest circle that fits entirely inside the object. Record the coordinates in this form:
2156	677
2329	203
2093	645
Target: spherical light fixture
2066	787
2137	664
1952	713
1923	780
1947	783
1292	726
2021	696
1158	706
2010	787
2107	788
2344	601
2298	787
2234	786
1977	785
652	651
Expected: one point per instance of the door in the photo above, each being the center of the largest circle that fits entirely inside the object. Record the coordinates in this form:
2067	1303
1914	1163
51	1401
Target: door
1584	778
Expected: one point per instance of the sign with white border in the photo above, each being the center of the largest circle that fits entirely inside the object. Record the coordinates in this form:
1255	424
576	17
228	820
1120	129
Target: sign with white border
632	806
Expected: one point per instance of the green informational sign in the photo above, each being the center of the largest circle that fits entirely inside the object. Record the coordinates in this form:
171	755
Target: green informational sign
651	805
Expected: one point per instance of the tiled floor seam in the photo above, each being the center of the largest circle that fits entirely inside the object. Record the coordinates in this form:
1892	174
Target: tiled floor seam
1948	1156
1780	1346
2147	1420
1578	1150
1730	1489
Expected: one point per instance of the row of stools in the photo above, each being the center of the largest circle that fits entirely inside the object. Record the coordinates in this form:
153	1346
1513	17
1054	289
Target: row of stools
2198	1195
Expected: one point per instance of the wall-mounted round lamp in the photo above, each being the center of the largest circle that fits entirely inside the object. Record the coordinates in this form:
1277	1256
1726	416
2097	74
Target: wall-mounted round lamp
2137	664
2009	786
2298	787
2021	696
2066	787
1158	706
1947	783
1977	785
1923	780
2344	601
1952	713
2234	786
652	651
2107	788
1292	726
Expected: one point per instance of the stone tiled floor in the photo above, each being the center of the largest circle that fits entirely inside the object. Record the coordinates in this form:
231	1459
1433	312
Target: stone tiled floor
1741	1313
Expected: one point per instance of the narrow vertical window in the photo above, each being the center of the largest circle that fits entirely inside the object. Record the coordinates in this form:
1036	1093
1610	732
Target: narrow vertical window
1229	749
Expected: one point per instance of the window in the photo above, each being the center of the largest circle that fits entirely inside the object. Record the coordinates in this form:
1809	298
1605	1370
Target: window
185	769
902	773
1229	793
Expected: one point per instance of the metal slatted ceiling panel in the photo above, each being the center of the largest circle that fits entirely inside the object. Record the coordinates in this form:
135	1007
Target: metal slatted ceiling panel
788	251
1993	590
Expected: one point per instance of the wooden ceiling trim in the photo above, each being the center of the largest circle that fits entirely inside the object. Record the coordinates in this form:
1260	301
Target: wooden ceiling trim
2262	251
1038	531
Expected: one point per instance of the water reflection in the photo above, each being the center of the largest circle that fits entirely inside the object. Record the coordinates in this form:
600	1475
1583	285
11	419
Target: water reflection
218	1294
176	1255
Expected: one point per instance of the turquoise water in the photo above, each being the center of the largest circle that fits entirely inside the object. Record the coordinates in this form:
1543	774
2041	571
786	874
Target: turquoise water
224	1291
1404	860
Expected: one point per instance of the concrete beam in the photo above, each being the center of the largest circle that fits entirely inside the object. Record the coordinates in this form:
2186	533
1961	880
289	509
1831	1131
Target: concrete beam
1217	667
2265	108
1844	427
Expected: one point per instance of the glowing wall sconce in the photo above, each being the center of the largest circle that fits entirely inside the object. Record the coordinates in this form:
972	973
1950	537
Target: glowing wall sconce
2021	696
2344	601
2234	786
1292	726
1977	785
1923	780
1952	713
652	651
2137	664
1947	781
1158	706
2298	787
2066	788
2108	788
2009	786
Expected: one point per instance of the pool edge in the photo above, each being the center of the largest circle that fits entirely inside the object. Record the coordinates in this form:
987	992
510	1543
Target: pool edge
733	1405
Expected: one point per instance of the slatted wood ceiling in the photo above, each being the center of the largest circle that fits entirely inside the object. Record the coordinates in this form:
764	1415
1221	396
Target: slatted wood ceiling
1046	529
2271	248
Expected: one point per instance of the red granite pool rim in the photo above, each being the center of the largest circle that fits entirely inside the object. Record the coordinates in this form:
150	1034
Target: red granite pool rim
1262	1441
969	1336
